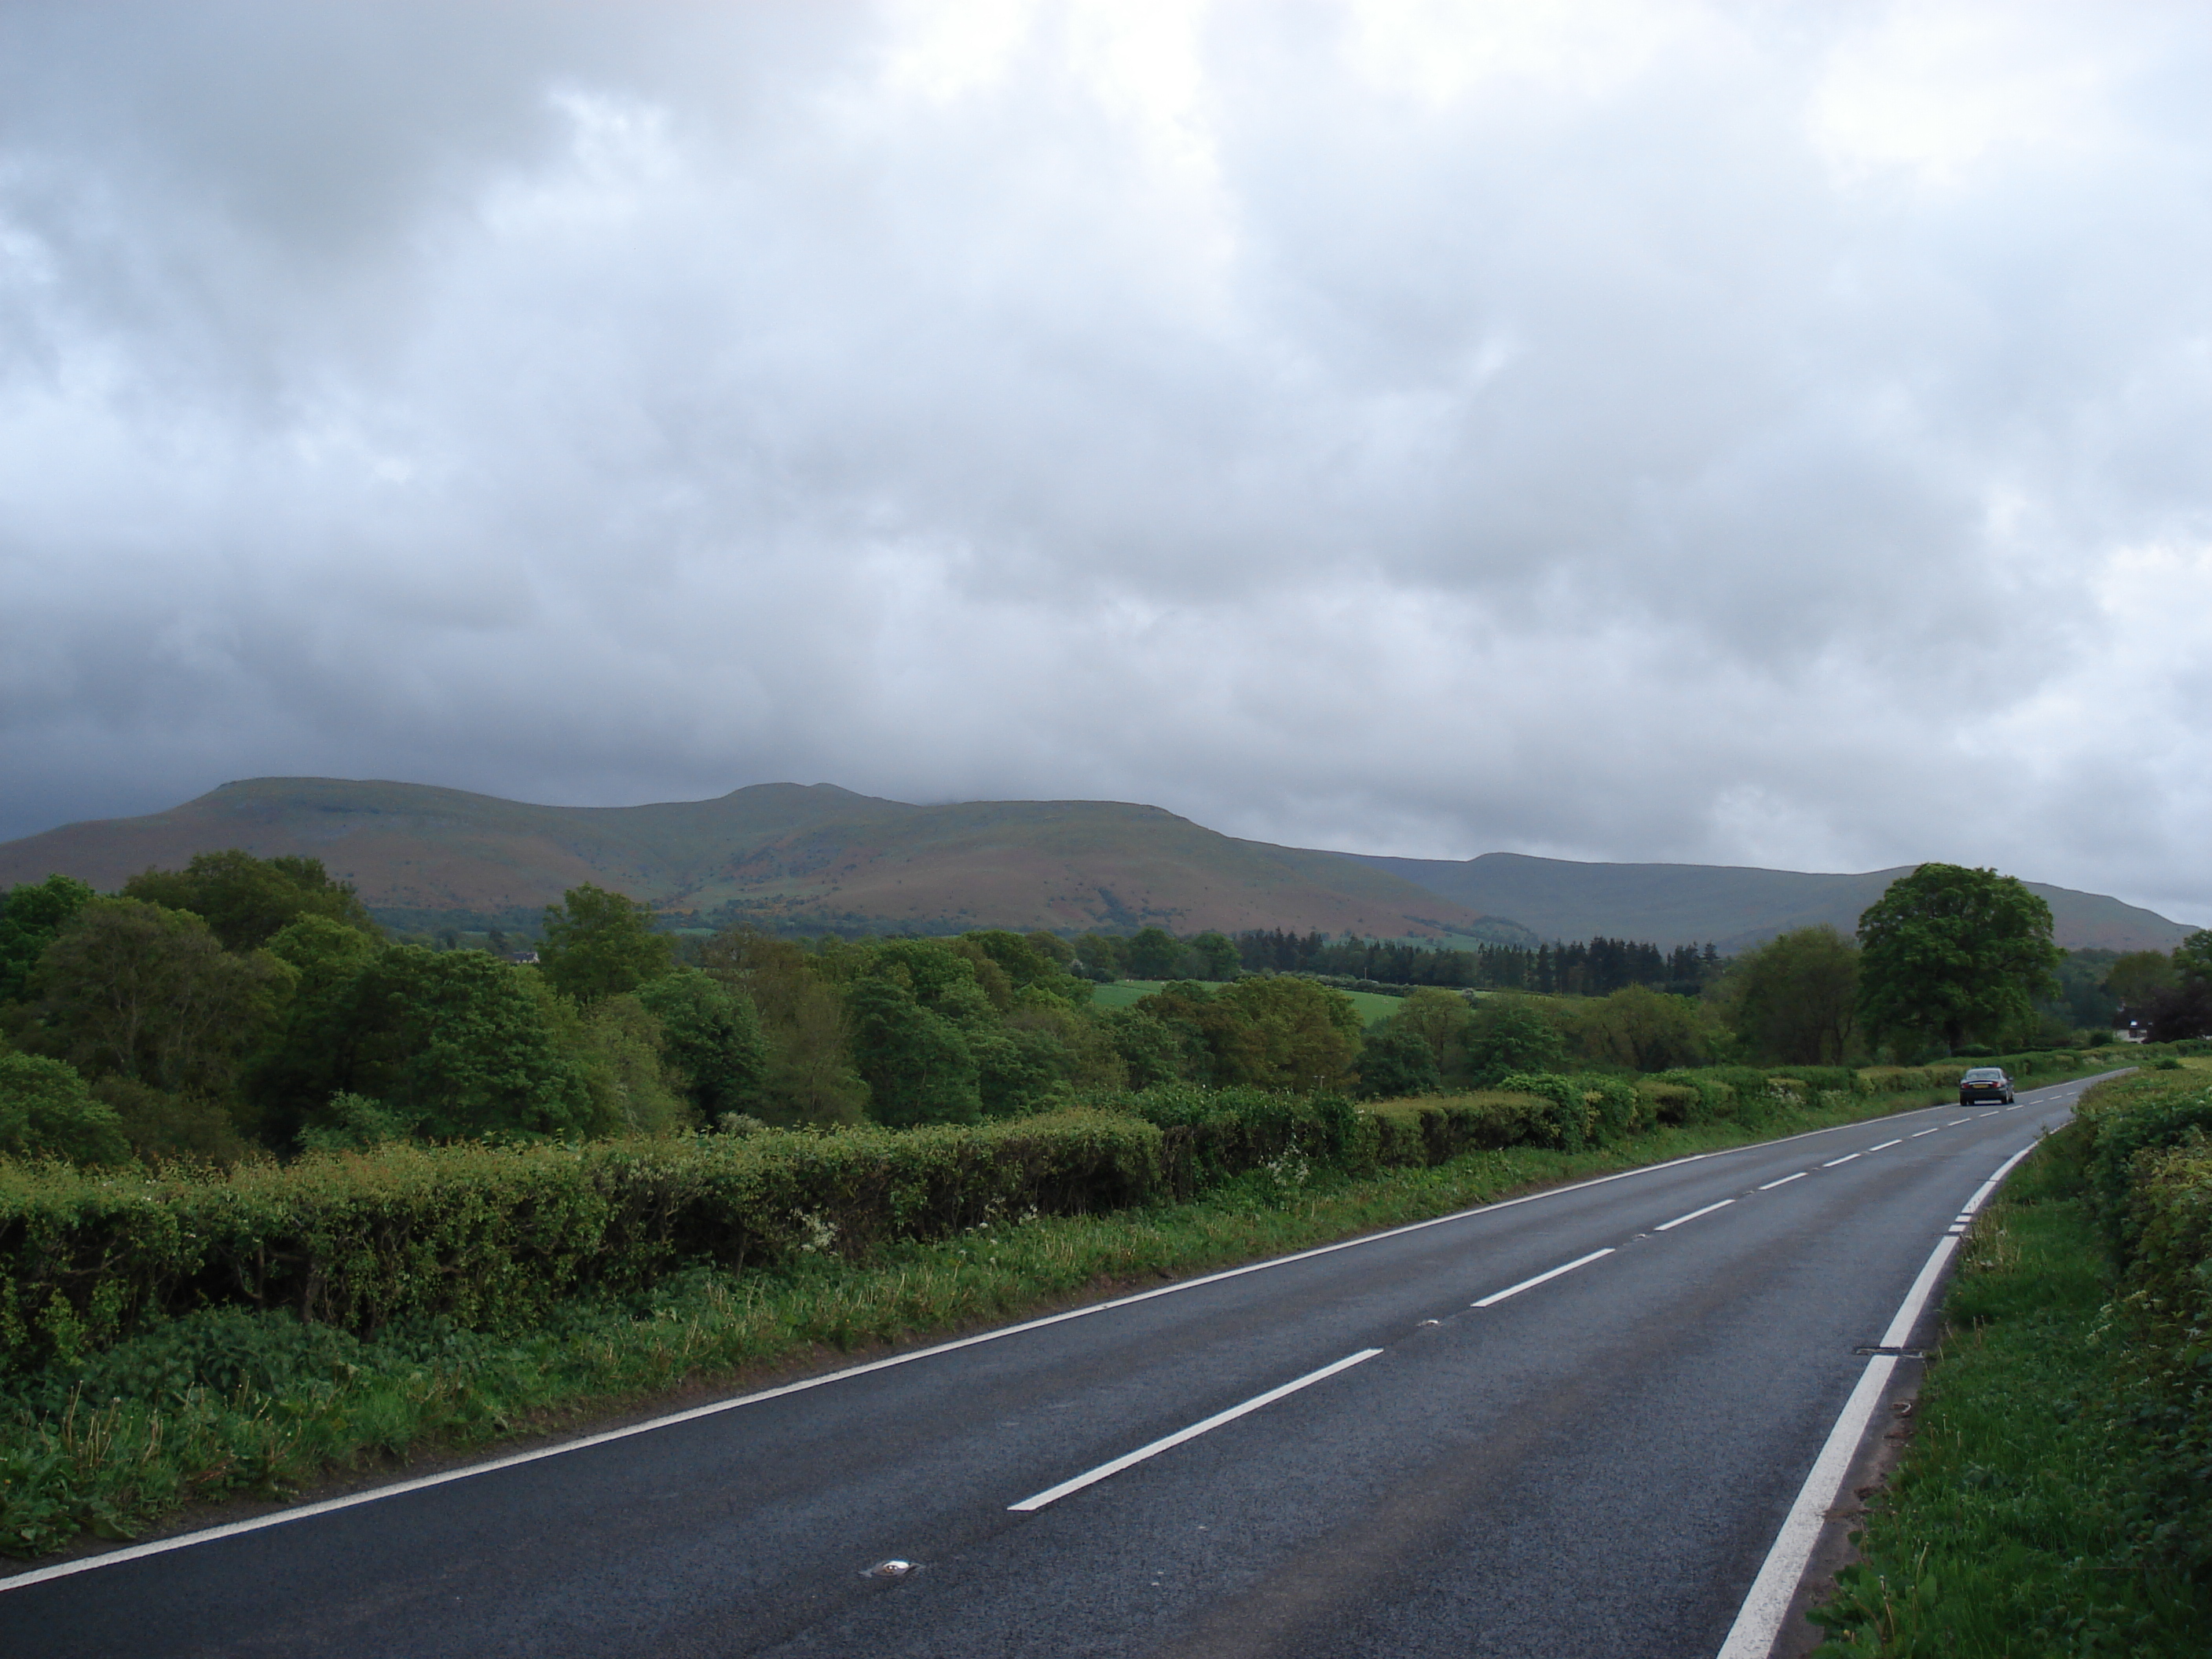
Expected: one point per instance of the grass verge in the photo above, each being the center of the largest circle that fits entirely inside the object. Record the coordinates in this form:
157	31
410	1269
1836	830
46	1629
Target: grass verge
2014	1524
227	1403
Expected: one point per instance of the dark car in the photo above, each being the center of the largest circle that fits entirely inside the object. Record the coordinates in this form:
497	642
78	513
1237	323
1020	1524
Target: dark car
1985	1083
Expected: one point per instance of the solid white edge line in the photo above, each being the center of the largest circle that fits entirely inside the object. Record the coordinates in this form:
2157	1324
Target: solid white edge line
1092	1477
400	1488
1784	1182
1758	1622
1497	1296
1666	1226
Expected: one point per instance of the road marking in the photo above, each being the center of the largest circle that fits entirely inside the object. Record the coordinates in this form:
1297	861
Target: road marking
493	1466
1767	1603
1496	1296
1089	1478
1898	1142
1664	1225
1917	1134
1955	1122
1784	1182
1845	1159
1988	1114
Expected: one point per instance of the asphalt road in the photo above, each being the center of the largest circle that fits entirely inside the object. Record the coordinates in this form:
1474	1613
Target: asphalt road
1596	1465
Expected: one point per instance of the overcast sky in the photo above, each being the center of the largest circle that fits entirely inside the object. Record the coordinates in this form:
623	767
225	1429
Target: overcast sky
1726	433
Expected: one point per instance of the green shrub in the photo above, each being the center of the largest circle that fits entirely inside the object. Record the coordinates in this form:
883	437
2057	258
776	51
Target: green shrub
1437	1129
46	1110
1571	1122
492	1236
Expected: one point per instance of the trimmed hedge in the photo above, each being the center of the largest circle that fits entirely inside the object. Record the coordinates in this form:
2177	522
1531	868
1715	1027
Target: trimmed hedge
493	1236
2149	1166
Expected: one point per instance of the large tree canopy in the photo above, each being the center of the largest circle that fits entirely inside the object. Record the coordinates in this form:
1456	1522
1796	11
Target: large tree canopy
1954	955
599	944
1795	998
31	917
246	900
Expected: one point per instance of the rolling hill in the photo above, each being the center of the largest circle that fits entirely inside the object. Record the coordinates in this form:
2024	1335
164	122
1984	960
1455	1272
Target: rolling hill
816	857
1733	907
786	855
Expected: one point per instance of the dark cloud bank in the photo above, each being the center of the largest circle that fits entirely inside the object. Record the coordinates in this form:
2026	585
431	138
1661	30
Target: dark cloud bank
1726	433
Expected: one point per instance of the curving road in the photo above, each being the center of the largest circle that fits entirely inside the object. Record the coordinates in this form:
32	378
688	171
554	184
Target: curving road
1571	1425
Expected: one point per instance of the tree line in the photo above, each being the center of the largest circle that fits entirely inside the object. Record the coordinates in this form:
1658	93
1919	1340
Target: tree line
245	1006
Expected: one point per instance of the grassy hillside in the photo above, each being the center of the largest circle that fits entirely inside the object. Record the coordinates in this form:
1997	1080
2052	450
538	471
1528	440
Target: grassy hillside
782	855
1689	903
818	857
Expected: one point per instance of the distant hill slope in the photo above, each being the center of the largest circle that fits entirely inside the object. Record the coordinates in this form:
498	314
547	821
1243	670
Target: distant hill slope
818	857
785	854
1733	907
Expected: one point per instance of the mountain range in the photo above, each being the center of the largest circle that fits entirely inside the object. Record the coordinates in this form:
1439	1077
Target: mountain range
797	857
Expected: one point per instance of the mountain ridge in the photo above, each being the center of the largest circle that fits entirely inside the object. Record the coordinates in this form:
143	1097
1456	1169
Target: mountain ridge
818	857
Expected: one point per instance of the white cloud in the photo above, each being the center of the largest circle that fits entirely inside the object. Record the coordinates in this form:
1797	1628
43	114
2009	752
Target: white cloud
1700	431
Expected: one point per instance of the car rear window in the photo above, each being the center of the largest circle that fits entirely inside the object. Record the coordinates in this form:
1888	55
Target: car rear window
1984	1074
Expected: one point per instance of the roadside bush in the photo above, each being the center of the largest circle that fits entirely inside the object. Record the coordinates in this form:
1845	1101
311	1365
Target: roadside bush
47	1111
493	1236
1435	1129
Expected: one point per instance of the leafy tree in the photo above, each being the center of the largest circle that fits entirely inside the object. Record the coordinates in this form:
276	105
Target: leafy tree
31	917
1274	1032
1440	1020
616	1046
2138	977
712	1036
47	1111
246	900
1024	963
1153	1049
2192	957
809	1076
1509	1035
289	1075
599	944
149	994
1051	945
1152	953
916	1063
456	1045
1017	1070
1395	1063
1795	998
2184	1009
1214	956
1099	958
1646	1029
1954	954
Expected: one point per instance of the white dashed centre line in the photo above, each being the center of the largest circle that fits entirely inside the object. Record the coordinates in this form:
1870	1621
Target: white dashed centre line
1496	1296
1898	1142
1092	1477
1665	1225
1956	1121
1917	1134
1846	1158
1784	1182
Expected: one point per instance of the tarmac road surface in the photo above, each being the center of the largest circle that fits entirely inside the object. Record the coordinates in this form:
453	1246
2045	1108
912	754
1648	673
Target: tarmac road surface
1569	1425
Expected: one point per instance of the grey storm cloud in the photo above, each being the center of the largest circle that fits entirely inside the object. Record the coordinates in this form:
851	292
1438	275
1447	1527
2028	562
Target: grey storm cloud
1729	433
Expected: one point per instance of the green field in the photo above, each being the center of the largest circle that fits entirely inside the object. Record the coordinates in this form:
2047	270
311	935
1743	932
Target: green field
1374	1008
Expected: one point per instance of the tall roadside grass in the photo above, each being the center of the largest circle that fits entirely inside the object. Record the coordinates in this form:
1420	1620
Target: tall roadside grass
2055	1495
233	1401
